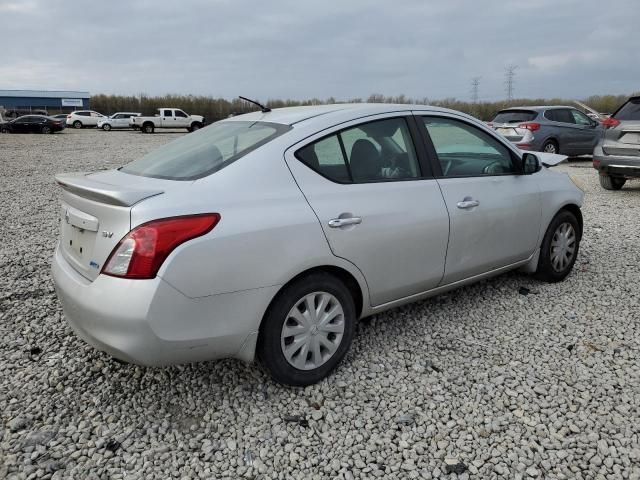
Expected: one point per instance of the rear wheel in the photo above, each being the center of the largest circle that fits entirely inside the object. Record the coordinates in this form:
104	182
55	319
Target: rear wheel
551	146
559	248
4	130
45	129
106	127
148	128
77	124
307	330
612	183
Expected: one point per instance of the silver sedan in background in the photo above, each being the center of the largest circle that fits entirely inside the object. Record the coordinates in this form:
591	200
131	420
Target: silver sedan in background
270	234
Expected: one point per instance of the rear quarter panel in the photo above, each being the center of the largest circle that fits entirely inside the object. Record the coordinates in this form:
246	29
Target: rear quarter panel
557	191
266	236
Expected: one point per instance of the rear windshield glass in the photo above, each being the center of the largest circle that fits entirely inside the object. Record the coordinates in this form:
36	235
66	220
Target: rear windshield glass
514	116
629	111
206	151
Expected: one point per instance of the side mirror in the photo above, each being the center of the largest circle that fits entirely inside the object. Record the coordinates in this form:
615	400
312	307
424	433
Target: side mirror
530	164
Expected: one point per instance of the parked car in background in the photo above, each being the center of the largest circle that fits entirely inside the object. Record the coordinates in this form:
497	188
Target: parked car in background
32	124
617	155
168	118
556	129
84	118
268	235
60	116
19	112
118	120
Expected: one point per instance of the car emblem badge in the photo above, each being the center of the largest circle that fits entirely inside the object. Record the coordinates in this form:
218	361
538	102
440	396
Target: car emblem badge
66	215
106	234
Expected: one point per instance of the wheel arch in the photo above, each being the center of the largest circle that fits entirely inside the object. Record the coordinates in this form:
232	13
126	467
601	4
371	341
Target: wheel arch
344	275
577	212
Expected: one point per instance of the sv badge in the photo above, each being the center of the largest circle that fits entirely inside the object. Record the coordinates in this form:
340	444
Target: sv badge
106	234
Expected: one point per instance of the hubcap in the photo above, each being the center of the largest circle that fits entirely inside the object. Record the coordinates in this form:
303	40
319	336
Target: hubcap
563	246
550	148
312	331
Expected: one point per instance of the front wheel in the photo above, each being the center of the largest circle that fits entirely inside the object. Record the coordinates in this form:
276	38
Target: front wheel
46	130
612	183
559	248
307	330
77	124
195	126
106	127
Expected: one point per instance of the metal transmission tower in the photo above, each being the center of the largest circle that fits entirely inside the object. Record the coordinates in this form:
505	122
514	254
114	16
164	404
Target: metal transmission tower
509	80
475	86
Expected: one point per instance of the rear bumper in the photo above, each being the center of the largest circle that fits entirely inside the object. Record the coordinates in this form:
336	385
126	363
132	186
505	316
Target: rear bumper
616	165
148	322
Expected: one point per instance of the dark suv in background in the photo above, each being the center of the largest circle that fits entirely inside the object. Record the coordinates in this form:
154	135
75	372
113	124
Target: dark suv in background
550	129
617	155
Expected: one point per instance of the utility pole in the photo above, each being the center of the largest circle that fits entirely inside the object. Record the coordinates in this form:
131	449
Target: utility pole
509	80
475	85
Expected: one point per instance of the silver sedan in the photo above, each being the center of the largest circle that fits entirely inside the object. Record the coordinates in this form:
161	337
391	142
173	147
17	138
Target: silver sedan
268	235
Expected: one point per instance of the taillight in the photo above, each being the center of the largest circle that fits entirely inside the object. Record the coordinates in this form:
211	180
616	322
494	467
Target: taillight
596	163
142	251
490	124
533	126
610	122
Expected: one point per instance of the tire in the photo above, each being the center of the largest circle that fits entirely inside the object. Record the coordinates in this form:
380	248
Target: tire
4	130
320	350
612	183
148	128
551	146
556	257
135	127
77	124
106	127
195	126
46	130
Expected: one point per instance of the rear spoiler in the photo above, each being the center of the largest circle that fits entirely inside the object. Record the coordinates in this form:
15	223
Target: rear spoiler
80	184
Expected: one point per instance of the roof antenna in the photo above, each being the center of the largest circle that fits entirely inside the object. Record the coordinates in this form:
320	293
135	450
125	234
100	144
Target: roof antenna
262	107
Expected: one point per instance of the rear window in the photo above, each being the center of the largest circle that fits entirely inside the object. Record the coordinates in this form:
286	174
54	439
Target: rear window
206	151
515	116
629	111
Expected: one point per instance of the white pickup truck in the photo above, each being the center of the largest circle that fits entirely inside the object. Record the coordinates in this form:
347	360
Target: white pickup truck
168	118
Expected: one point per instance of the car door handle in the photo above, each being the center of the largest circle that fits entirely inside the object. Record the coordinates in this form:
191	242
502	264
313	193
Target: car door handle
468	203
343	222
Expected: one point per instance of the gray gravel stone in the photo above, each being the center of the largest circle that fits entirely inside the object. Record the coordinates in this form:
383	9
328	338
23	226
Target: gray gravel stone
482	375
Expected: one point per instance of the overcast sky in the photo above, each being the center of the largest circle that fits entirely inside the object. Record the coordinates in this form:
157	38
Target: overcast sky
302	49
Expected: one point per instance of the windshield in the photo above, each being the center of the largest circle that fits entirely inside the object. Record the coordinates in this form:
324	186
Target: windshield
206	151
514	116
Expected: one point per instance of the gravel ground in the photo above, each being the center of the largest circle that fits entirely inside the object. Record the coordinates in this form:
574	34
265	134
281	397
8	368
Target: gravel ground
509	378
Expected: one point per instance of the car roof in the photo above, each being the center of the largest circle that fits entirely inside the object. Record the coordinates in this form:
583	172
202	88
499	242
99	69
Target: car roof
294	115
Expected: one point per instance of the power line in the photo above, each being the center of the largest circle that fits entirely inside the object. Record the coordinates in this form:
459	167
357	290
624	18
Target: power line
509	80
475	86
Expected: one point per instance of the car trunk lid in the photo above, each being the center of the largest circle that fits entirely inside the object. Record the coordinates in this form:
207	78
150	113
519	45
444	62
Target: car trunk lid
623	139
96	214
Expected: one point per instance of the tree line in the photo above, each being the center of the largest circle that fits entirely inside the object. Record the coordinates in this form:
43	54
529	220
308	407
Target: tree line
214	109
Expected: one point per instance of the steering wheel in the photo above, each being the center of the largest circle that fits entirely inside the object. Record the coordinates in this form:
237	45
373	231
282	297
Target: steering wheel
493	168
445	164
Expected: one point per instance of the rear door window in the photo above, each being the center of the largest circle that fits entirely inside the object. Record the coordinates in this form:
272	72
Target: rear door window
515	116
562	115
629	111
206	151
374	151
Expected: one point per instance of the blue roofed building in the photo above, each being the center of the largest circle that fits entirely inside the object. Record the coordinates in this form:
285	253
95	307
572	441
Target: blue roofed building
52	101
